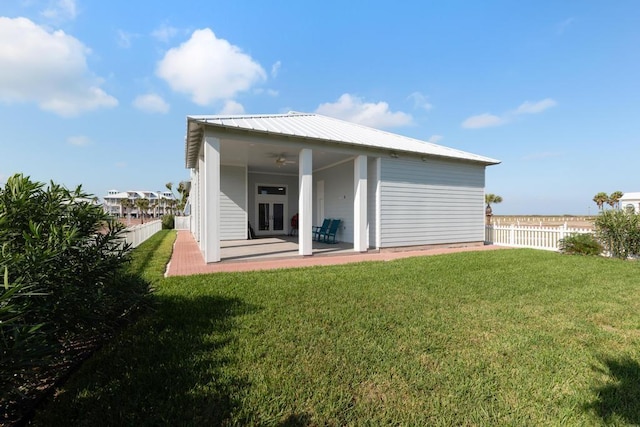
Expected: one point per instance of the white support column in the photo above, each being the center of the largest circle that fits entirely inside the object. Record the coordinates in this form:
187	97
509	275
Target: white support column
211	199
378	201
360	204
200	196
305	202
193	224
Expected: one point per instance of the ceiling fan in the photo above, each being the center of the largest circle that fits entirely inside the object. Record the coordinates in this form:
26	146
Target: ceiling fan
281	159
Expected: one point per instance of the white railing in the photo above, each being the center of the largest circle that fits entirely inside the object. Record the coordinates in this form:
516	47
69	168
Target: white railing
137	234
182	223
520	236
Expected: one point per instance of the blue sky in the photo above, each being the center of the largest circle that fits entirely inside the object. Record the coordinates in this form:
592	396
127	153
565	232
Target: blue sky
97	93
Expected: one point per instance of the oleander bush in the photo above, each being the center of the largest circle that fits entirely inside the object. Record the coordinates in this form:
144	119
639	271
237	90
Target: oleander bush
580	244
64	281
168	222
619	232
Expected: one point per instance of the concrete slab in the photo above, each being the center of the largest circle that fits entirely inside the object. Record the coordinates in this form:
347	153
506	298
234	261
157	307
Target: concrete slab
187	258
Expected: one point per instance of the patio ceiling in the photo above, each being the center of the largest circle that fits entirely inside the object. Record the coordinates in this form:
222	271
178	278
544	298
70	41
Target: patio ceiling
261	157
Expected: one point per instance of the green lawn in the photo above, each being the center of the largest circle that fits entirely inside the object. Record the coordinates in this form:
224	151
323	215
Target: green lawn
517	337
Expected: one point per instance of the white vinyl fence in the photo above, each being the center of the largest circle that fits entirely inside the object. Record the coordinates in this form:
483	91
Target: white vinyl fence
182	223
530	236
137	234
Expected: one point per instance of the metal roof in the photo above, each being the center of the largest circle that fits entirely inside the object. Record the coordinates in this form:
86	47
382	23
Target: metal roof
318	127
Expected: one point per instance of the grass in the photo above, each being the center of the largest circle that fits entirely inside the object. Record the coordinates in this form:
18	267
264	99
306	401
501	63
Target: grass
517	337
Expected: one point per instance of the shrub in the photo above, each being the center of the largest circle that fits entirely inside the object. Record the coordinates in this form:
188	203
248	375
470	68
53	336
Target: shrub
168	222
64	259
619	232
65	284
21	343
580	244
56	242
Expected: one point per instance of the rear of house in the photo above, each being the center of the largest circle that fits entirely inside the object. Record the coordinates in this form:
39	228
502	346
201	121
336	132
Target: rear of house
387	190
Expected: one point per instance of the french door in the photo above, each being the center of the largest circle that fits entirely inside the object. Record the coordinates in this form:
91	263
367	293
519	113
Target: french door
271	214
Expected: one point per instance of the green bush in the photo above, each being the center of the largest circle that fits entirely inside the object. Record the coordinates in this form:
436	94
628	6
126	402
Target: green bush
619	232
63	261
580	244
168	222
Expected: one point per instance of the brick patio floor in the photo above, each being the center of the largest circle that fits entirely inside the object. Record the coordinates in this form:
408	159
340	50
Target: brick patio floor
187	258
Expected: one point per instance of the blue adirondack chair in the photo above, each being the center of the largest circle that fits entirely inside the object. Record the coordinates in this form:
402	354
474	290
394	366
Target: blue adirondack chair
330	235
320	230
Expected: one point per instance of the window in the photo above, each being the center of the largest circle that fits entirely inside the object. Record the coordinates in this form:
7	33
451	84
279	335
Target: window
266	189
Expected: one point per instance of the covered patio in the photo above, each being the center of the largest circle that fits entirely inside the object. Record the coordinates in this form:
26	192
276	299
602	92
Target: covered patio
187	259
274	248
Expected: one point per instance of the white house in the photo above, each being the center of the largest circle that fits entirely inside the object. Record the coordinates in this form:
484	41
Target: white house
389	190
159	202
630	200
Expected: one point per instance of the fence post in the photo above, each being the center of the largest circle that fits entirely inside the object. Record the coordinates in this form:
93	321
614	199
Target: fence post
563	233
512	235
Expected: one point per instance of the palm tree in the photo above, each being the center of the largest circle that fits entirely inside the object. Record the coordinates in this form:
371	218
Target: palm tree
171	204
600	199
488	199
491	198
155	207
183	189
614	199
143	205
125	205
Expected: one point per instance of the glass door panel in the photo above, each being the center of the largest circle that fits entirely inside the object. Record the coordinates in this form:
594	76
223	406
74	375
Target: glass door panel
263	216
278	216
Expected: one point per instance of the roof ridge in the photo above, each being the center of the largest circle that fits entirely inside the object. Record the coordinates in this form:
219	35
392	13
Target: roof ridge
248	116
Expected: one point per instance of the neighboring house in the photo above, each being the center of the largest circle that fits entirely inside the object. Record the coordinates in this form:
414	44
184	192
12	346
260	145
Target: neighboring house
630	200
159	202
388	190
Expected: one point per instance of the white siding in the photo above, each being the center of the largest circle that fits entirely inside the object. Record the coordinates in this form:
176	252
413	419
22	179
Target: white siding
431	202
233	201
338	197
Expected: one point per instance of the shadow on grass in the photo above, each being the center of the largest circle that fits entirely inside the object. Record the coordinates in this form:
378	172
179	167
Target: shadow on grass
144	253
174	367
296	420
619	399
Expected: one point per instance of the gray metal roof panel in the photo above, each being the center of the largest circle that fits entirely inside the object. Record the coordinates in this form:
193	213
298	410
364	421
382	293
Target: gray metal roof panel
320	127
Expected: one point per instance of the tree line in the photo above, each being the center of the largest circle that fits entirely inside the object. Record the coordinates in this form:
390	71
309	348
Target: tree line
612	199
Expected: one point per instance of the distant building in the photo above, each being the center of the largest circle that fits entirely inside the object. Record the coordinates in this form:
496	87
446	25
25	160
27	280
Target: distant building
160	203
630	200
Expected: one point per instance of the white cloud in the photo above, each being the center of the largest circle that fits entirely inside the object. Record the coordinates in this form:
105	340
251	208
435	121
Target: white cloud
164	33
124	38
151	103
270	92
232	107
209	69
121	165
490	120
535	107
61	10
275	69
48	68
79	140
483	121
354	109
435	138
420	101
